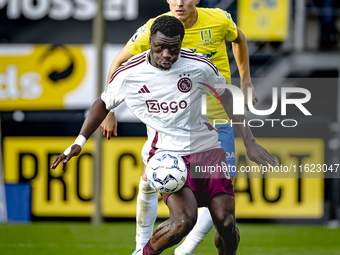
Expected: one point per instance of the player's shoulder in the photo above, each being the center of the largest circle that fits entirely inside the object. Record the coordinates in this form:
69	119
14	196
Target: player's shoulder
145	28
131	66
199	61
152	20
216	14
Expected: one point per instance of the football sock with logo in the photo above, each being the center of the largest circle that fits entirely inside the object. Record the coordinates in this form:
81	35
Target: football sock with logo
147	205
202	227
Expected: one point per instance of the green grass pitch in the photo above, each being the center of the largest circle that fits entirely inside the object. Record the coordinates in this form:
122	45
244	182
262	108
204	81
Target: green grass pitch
118	238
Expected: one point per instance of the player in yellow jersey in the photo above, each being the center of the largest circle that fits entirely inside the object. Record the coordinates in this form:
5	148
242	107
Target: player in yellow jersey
205	31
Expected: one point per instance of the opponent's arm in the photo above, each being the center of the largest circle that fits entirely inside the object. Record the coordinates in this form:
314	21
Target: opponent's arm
96	115
255	152
110	123
121	58
240	51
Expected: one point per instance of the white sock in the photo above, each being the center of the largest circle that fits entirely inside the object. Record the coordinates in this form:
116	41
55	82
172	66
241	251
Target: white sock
147	206
202	227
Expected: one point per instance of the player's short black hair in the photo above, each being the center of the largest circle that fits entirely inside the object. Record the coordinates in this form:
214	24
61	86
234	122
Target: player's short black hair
168	26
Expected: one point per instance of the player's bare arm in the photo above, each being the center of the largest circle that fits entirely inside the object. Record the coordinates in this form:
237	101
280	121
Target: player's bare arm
255	152
240	51
96	115
110	124
121	58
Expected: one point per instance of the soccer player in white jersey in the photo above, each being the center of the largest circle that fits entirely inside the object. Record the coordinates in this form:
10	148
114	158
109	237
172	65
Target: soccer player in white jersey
206	30
169	74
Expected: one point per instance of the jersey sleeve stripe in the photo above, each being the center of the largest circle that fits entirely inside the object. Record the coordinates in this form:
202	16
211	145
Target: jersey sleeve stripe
204	60
153	146
131	60
132	63
186	51
198	56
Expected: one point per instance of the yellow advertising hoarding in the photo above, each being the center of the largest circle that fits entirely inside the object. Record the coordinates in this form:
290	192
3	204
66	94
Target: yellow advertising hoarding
54	192
46	76
69	193
298	194
57	193
123	167
263	20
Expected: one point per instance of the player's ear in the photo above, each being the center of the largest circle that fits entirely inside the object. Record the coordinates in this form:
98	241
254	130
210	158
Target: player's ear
197	2
150	40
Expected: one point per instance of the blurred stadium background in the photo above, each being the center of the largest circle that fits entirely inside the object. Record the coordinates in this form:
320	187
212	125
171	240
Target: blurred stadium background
54	60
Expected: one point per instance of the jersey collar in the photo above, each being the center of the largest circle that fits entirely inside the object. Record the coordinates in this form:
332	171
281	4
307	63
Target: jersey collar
197	20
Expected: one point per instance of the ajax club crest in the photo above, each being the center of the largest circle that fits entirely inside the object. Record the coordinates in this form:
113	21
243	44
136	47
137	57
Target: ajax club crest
184	85
206	35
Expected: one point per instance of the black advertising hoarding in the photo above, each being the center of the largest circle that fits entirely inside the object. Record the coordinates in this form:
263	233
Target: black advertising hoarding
70	21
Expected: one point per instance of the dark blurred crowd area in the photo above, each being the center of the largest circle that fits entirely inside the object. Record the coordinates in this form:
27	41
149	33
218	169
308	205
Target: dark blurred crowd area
321	31
326	11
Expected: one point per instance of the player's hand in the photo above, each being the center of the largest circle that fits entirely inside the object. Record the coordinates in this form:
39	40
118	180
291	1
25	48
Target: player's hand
75	149
244	87
109	125
260	155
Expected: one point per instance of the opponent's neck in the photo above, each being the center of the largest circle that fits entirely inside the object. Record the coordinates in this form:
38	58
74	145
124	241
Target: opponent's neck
191	20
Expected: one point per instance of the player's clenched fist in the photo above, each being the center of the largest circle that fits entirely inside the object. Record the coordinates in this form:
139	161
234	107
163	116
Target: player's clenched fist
73	150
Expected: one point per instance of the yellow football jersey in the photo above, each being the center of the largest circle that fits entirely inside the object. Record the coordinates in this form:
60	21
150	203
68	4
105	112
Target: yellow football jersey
206	36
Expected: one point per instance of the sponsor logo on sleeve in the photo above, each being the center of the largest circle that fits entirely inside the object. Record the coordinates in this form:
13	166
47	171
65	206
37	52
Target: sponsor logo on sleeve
134	37
227	14
143	28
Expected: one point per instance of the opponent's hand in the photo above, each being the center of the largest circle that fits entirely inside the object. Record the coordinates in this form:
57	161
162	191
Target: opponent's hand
74	151
109	125
260	155
244	87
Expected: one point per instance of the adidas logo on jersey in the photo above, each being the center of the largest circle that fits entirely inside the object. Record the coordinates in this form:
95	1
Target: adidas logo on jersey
144	89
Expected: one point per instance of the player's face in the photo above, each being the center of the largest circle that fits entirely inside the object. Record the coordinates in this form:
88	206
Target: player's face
183	9
164	50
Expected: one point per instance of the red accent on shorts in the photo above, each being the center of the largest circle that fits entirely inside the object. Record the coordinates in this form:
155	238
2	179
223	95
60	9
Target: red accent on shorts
206	185
153	146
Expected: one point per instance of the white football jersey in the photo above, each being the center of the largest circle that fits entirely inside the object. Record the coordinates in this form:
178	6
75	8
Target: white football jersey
168	101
